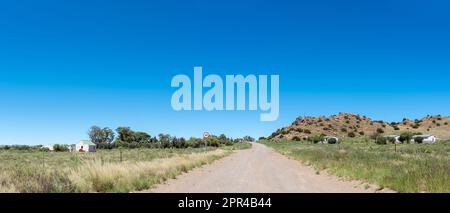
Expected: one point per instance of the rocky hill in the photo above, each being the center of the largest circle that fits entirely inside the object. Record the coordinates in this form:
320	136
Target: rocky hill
351	125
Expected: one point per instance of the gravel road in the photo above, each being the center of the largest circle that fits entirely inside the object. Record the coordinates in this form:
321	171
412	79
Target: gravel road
259	170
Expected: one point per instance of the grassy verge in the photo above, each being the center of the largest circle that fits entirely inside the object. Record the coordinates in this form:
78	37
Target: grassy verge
404	168
105	171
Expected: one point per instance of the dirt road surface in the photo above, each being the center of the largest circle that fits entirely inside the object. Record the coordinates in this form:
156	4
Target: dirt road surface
259	170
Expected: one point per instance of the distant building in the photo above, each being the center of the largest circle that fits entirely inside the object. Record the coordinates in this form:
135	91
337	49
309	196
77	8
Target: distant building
84	146
330	140
49	147
424	139
393	138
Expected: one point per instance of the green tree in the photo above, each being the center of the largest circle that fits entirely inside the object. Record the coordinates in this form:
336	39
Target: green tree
125	136
60	148
165	140
194	142
102	137
248	138
142	138
405	137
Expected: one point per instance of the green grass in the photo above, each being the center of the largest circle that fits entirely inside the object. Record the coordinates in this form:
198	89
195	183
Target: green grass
404	168
104	171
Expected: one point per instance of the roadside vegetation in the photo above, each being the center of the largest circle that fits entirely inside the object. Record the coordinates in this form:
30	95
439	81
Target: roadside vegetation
116	170
401	167
130	161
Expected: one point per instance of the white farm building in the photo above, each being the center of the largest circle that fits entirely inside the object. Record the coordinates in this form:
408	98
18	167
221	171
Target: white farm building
424	139
84	146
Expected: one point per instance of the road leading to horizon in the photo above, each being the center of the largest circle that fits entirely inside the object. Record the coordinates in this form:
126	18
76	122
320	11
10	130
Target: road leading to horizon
258	170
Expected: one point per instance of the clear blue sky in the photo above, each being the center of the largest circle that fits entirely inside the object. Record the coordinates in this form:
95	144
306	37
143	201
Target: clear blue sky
67	65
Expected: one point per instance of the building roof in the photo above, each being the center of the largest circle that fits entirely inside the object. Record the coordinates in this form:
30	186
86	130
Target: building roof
87	142
422	136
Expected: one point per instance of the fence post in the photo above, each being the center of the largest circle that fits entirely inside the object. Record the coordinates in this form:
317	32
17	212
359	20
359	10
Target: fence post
43	159
121	155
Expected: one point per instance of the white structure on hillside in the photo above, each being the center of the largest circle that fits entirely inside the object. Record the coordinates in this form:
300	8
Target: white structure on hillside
424	139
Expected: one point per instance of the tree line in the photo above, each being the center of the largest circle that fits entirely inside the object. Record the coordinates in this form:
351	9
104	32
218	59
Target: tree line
106	138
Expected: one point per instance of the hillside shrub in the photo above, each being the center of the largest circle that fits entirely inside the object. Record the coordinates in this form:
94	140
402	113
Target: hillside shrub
296	138
381	140
415	126
418	139
390	140
332	141
317	138
406	137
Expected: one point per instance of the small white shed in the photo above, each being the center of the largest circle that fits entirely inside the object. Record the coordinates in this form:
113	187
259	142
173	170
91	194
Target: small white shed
85	146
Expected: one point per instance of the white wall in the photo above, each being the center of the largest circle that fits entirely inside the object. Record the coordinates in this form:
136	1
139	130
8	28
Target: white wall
79	145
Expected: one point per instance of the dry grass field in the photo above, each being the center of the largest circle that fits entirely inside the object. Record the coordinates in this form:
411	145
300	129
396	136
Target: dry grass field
105	171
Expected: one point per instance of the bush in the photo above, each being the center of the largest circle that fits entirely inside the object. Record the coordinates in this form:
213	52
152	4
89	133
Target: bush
381	140
307	131
396	128
195	142
343	129
415	126
60	148
380	130
390	139
296	138
405	137
418	139
351	134
362	133
317	138
332	141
